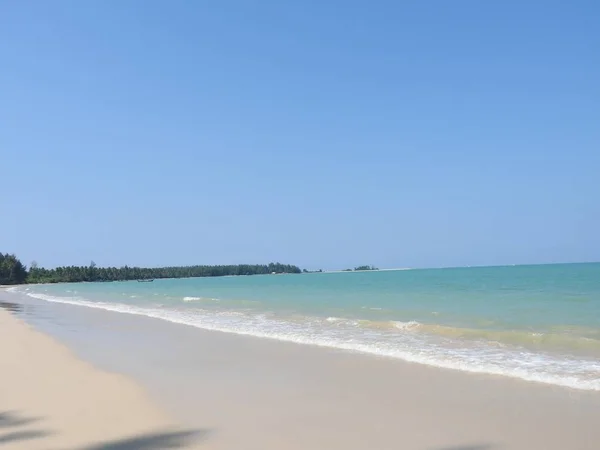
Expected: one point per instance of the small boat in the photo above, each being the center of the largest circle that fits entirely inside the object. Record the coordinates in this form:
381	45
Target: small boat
149	280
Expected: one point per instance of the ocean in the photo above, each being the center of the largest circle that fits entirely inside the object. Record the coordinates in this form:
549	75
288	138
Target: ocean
539	323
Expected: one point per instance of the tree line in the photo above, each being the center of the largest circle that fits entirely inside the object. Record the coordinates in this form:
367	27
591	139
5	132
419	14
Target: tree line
14	272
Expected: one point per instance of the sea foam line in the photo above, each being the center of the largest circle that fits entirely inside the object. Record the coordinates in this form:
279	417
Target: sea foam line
466	364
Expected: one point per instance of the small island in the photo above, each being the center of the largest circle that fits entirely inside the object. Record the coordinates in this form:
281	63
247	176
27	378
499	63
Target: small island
361	269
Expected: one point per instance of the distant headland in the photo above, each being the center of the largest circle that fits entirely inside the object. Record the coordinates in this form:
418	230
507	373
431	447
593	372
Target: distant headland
12	271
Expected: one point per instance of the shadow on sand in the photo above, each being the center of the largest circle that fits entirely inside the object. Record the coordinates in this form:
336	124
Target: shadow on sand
10	419
22	436
154	441
11	307
165	439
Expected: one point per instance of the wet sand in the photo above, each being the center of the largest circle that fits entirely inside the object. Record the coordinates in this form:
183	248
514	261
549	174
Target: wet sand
262	394
49	399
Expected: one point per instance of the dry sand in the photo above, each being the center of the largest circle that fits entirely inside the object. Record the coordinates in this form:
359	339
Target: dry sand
51	400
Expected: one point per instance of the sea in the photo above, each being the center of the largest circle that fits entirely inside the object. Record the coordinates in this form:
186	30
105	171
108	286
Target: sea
539	323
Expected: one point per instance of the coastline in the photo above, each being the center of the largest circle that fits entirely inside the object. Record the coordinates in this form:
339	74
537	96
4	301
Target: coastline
266	394
499	351
49	399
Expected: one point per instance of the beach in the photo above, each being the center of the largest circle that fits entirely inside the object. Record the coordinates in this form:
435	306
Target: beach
122	376
49	399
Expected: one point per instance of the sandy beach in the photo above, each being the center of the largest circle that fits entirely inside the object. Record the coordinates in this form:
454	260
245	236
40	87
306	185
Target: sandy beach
49	399
252	393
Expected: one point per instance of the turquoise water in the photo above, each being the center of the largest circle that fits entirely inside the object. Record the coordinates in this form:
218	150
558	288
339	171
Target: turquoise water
539	323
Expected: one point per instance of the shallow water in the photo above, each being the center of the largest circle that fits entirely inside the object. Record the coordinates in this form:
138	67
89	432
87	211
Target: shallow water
539	323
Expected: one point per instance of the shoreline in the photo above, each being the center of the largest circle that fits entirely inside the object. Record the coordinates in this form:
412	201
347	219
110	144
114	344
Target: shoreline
436	360
267	394
51	399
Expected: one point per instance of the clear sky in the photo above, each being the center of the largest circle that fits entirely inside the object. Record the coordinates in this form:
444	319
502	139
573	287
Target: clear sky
320	133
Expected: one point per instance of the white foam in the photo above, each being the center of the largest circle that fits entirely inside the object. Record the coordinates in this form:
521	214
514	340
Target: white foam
342	321
199	299
406	325
413	347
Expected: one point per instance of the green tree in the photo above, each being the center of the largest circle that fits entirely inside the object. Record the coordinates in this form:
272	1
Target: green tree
12	271
366	268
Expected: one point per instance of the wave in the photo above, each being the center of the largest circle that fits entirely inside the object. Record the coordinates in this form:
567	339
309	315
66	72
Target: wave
412	325
380	325
199	299
539	340
576	339
341	321
401	340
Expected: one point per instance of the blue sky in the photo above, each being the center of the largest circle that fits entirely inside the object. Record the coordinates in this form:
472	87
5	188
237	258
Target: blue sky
321	133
